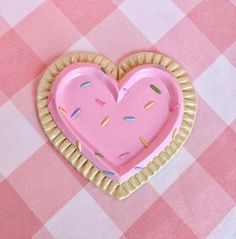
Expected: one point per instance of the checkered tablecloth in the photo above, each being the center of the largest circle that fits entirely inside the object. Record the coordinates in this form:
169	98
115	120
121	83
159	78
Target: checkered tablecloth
42	196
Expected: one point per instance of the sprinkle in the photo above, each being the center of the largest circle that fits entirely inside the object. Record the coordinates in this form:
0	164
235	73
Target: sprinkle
174	107
105	121
103	70
75	113
99	155
125	90
79	146
62	110
149	105
109	174
160	66
174	133
129	118
143	141
123	156
153	87
100	102
138	168
85	84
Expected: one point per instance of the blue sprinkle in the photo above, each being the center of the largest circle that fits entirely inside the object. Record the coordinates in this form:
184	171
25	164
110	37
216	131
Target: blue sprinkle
138	168
129	118
85	84
75	113
125	90
109	174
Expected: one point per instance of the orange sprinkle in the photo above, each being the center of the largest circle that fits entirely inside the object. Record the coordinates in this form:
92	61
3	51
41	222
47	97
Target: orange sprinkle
149	105
143	141
62	110
79	146
105	121
99	155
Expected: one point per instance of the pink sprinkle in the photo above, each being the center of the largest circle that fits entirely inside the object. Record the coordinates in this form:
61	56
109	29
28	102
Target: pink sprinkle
123	156
100	102
174	107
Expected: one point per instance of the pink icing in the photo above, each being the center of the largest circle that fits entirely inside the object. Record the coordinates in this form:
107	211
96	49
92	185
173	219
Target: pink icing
102	96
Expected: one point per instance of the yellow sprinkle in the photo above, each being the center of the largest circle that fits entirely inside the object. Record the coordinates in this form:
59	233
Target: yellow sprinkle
98	155
149	105
143	141
174	133
105	121
62	110
79	146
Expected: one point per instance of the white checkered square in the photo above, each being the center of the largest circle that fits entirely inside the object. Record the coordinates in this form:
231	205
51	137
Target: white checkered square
18	138
83	218
217	86
153	18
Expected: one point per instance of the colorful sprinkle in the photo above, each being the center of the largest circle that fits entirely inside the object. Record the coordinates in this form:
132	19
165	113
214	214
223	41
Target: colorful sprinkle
174	133
62	110
125	90
160	66
85	84
100	102
99	155
105	121
124	155
143	141
109	174
75	113
174	107
79	146
149	105
153	87
138	168
129	118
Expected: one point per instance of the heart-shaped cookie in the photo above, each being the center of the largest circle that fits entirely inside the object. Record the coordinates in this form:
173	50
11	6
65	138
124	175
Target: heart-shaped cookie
116	124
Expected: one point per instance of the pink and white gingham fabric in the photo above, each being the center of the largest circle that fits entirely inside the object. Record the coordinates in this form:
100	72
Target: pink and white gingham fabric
42	196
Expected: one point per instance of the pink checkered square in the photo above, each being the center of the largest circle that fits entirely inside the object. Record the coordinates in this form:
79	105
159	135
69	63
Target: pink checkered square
219	160
119	211
204	133
85	15
19	64
106	37
41	170
233	125
160	221
4	27
187	5
230	54
217	22
43	30
1	177
16	219
193	197
42	233
189	39
3	98
14	11
26	96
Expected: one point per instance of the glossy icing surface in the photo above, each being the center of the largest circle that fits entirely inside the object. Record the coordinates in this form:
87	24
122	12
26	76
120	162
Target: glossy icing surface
121	125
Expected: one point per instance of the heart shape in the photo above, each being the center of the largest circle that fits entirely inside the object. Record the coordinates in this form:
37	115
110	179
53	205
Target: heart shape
128	128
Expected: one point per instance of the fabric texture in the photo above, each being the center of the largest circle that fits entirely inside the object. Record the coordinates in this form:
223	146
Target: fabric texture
42	196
